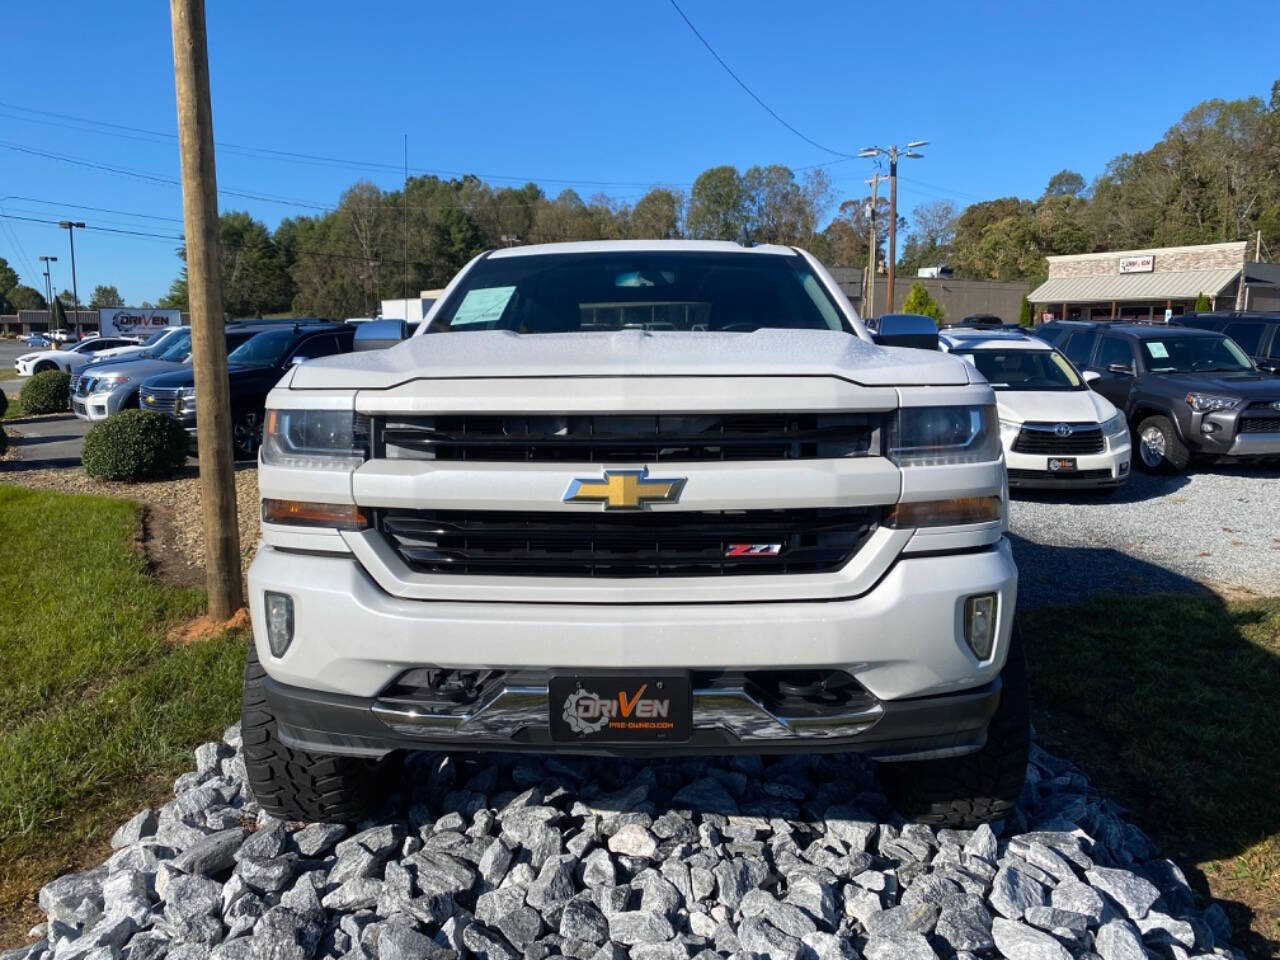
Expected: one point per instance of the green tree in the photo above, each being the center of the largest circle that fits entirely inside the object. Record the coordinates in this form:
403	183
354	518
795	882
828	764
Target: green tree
1203	304
1026	314
717	206
8	276
1065	183
57	315
656	215
105	296
919	301
26	298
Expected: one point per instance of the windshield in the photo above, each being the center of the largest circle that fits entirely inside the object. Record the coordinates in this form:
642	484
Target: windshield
1024	369
646	290
155	338
262	350
176	350
1193	354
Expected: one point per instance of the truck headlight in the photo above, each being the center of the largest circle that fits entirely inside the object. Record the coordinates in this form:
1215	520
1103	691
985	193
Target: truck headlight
315	439
109	382
1116	428
1209	402
930	436
1009	430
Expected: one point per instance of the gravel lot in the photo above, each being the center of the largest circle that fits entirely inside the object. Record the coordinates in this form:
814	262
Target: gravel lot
501	858
1217	525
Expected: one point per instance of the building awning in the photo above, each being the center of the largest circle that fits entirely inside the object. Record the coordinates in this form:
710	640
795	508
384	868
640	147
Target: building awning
1182	285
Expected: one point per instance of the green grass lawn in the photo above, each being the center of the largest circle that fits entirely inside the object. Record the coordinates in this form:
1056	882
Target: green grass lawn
99	712
1172	705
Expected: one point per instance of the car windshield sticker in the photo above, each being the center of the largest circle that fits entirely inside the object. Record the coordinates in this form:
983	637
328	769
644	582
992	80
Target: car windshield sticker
482	305
1157	350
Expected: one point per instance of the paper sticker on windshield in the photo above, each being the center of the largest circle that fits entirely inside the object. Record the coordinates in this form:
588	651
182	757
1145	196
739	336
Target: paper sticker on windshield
1157	350
482	306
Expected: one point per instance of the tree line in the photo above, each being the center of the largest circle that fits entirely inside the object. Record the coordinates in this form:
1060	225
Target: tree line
1215	175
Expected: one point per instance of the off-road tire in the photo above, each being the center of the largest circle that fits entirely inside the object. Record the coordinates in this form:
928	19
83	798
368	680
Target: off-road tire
1176	454
977	787
297	784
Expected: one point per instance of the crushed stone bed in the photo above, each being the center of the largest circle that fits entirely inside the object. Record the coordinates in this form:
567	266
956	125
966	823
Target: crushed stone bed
499	858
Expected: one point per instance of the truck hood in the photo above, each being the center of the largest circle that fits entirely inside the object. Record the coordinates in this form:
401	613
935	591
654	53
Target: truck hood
1249	386
1053	406
634	353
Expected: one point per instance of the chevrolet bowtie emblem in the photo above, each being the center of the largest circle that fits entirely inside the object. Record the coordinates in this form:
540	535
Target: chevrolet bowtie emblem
624	490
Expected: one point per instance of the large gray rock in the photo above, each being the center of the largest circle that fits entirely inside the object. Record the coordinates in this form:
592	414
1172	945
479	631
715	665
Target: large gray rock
638	926
1079	898
61	898
582	920
966	927
1119	940
757	935
140	825
737	876
356	894
213	854
907	946
633	840
1013	891
495	862
1133	893
904	918
824	946
127	894
192	896
851	826
553	885
1017	941
267	842
789	919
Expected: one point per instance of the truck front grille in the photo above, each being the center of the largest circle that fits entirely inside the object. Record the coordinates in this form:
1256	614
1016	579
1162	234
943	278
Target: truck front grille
159	399
623	438
659	544
1044	438
1248	424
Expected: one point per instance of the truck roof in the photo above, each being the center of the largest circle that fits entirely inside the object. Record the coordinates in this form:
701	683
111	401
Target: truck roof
614	246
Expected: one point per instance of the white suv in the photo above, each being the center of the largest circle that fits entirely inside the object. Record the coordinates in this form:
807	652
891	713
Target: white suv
635	498
1057	433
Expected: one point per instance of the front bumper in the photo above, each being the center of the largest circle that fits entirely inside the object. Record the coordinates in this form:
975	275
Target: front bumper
902	640
99	406
1110	468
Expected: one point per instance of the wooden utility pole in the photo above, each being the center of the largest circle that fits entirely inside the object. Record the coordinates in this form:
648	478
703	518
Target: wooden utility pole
869	301
204	290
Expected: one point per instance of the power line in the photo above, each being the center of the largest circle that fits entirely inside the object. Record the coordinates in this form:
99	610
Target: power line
292	155
751	93
82	206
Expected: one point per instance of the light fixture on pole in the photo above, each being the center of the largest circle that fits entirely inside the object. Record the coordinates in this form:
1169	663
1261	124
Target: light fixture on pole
48	282
70	226
893	153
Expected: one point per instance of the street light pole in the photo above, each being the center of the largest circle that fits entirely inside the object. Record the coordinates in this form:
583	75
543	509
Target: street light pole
48	281
70	227
893	153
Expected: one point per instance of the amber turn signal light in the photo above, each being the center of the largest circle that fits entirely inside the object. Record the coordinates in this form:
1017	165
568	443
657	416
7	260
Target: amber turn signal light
945	513
302	513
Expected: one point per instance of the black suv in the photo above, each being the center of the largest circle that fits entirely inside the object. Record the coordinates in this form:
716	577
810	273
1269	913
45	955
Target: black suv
1257	333
254	368
1185	391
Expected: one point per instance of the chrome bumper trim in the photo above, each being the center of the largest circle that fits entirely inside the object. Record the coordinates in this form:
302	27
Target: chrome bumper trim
516	708
1251	444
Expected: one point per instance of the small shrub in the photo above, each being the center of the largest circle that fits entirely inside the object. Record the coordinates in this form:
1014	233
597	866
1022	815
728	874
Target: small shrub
919	301
4	403
48	392
135	445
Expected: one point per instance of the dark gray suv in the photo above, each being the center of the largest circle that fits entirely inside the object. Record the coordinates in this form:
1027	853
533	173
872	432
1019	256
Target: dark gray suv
1184	391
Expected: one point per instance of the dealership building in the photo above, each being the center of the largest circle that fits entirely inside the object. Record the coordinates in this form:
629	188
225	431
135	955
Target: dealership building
1150	284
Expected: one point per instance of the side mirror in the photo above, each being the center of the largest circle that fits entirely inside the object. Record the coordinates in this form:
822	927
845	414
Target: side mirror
906	330
1120	369
379	334
1092	376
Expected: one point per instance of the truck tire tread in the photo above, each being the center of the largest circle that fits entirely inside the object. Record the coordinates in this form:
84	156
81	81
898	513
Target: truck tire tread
297	784
978	787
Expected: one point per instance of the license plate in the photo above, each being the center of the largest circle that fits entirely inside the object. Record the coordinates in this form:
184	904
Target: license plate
1062	464
640	708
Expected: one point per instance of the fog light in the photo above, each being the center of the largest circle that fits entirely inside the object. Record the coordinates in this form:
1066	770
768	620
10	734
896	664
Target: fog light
279	621
980	624
1124	469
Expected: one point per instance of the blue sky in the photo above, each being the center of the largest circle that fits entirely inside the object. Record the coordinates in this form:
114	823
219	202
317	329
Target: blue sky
582	91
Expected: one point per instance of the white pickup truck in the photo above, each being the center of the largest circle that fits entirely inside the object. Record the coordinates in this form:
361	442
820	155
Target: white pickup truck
636	498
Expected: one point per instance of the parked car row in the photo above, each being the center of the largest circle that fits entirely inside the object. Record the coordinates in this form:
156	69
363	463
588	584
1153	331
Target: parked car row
159	376
1071	393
